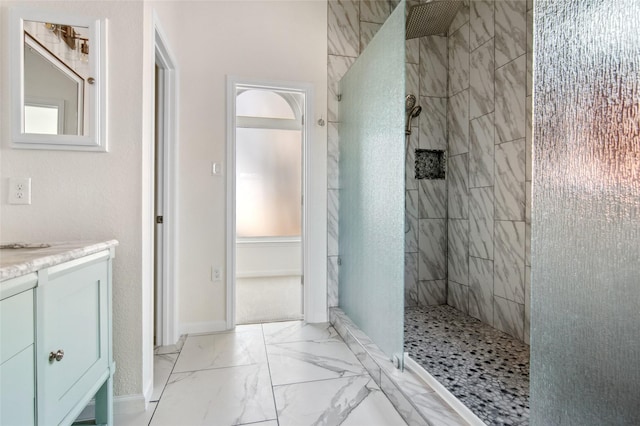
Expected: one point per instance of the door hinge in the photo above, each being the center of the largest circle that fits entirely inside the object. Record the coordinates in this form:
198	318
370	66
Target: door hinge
159	219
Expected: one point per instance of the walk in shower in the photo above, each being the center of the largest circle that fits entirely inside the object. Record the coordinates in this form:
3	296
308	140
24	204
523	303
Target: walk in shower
465	152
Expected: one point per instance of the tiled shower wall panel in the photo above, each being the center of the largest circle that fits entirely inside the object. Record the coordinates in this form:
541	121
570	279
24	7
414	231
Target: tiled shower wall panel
351	25
489	164
426	199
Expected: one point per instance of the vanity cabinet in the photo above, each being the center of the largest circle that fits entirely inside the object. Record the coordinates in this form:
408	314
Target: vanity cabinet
17	385
62	354
73	343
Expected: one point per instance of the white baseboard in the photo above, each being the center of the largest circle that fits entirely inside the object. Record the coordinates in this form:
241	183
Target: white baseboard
124	404
202	327
269	273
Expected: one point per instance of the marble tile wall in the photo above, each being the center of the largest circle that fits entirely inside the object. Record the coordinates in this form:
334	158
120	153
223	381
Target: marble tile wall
489	175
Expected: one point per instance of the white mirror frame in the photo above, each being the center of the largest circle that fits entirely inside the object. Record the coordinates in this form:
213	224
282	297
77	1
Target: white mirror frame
95	138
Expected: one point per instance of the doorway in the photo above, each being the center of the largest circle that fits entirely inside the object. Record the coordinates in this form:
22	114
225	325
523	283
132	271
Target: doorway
165	330
268	172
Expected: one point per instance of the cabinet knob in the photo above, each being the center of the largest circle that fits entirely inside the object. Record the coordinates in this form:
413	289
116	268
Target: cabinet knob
56	355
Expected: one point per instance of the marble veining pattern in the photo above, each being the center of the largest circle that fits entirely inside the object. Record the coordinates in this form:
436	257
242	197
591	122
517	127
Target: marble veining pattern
510	30
433	199
332	281
433	123
410	279
347	401
481	151
509	260
224	396
343	28
461	18
333	225
508	316
22	261
458	296
246	394
457	187
412	85
481	289
333	156
221	350
432	292
297	331
433	69
484	368
510	181
374	11
458	47
432	239
481	222
367	31
311	360
458	259
458	123
416	401
510	120
481	22
482	81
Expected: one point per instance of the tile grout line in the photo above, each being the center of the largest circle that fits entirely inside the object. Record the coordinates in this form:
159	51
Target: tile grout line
164	387
273	393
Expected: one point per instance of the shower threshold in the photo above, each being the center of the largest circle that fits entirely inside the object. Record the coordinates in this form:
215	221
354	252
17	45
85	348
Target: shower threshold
484	368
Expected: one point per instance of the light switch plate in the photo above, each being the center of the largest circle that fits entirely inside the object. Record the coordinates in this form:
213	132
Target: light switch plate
19	190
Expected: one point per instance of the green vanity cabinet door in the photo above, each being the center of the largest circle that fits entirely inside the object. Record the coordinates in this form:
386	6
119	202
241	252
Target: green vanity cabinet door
73	343
17	385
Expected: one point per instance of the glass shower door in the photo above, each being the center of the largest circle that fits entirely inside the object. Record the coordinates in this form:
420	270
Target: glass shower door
371	221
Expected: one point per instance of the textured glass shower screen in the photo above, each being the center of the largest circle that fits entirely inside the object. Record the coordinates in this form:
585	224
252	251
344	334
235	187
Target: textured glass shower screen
371	217
585	288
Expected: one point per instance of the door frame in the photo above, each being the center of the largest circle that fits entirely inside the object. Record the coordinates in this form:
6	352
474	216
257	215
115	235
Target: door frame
167	105
310	304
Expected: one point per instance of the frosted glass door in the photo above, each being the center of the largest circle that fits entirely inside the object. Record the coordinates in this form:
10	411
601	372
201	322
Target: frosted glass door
585	244
371	222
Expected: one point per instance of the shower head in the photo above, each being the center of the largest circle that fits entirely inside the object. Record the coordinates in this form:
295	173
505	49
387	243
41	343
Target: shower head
409	102
431	18
415	111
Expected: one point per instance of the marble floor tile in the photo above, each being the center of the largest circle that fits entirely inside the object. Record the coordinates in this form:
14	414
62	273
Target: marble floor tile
162	367
346	401
222	396
297	331
135	419
306	361
221	350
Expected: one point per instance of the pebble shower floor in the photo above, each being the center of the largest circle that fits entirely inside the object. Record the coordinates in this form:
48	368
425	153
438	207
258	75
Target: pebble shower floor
486	369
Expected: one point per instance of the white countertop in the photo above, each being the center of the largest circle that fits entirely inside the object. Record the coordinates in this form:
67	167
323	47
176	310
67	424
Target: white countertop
22	261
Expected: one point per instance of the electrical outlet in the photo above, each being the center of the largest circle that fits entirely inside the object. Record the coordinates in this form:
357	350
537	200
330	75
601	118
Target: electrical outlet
19	190
216	274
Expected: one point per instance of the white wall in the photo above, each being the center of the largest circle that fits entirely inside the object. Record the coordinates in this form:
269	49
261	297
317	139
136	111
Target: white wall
97	196
267	40
91	196
268	258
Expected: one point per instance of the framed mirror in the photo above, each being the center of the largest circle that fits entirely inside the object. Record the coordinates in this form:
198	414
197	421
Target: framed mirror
58	81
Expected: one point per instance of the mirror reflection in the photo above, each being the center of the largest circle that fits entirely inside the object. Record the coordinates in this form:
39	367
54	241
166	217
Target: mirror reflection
56	70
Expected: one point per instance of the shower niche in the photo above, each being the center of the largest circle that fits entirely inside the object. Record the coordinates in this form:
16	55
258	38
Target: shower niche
430	164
